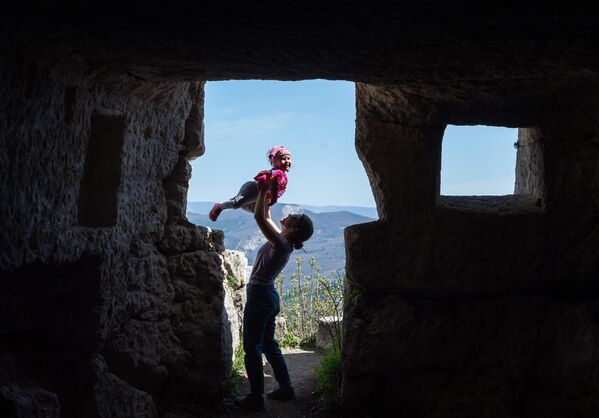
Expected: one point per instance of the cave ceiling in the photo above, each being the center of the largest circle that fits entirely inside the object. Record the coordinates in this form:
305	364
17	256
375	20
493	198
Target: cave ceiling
409	43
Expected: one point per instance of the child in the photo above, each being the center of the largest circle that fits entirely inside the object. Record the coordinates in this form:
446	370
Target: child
276	179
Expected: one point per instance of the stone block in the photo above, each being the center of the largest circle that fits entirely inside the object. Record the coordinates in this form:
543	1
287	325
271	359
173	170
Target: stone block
329	332
17	401
180	238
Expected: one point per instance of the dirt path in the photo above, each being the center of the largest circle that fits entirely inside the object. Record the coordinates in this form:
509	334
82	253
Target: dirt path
301	365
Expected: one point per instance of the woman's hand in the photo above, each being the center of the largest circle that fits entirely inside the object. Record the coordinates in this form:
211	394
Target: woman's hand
262	185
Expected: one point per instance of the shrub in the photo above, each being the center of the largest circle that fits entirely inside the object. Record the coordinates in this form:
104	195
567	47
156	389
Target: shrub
232	282
290	340
308	342
329	380
308	298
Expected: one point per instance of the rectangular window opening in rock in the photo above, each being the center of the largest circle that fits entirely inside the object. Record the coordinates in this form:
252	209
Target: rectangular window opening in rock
98	193
492	169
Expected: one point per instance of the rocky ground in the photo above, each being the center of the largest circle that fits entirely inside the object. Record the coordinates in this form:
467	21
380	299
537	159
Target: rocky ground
302	365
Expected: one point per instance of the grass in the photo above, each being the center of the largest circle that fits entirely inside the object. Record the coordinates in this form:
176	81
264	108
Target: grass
235	375
329	380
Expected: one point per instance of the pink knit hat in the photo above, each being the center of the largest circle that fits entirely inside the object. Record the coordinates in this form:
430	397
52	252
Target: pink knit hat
277	149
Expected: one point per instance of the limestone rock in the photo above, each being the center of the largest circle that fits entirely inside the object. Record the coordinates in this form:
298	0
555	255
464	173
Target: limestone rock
235	264
439	46
180	238
124	400
232	322
329	332
447	296
197	320
26	401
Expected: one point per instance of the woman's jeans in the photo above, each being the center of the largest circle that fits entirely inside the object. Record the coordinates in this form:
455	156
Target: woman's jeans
261	308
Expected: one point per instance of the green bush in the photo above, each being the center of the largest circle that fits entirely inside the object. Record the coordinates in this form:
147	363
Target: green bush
308	342
232	282
329	380
307	298
295	341
290	340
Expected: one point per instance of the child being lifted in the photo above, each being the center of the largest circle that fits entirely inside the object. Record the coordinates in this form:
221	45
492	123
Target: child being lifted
275	179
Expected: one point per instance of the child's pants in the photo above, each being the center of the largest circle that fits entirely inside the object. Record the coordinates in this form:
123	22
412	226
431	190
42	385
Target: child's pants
245	199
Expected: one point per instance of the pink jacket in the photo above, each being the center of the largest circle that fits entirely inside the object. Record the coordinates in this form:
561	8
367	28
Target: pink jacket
276	180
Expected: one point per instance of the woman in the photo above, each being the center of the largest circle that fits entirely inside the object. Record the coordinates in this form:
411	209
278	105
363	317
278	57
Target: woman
262	304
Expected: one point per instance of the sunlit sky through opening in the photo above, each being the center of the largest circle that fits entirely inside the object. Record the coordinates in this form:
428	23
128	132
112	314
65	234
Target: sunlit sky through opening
478	160
315	119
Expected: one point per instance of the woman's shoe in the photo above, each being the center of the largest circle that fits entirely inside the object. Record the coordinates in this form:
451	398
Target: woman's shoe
251	402
282	394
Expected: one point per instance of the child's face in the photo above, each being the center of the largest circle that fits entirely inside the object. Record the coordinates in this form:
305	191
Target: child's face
283	162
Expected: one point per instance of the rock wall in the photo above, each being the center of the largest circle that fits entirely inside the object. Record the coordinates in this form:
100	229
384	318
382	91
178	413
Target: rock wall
111	303
483	305
236	265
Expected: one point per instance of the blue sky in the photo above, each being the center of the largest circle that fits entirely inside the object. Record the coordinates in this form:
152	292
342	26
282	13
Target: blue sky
315	120
478	160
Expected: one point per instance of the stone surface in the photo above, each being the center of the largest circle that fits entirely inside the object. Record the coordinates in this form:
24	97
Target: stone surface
235	263
330	330
197	319
98	315
23	402
187	237
455	45
473	305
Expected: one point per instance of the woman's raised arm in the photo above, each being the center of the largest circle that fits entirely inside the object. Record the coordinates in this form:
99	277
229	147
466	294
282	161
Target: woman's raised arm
262	216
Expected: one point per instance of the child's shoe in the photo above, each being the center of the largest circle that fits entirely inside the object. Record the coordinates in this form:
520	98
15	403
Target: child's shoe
215	211
251	402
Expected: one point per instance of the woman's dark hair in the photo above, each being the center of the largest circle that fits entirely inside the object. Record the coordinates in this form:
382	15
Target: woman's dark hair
304	231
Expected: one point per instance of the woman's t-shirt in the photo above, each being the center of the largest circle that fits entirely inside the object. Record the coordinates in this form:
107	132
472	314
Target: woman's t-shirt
270	260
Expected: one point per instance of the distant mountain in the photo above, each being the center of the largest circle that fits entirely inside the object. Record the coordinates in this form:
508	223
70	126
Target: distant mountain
204	208
242	234
358	210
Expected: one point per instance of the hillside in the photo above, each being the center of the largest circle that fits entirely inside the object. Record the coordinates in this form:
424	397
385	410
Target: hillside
242	234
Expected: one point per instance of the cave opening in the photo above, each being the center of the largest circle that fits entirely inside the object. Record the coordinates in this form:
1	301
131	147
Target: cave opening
315	120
